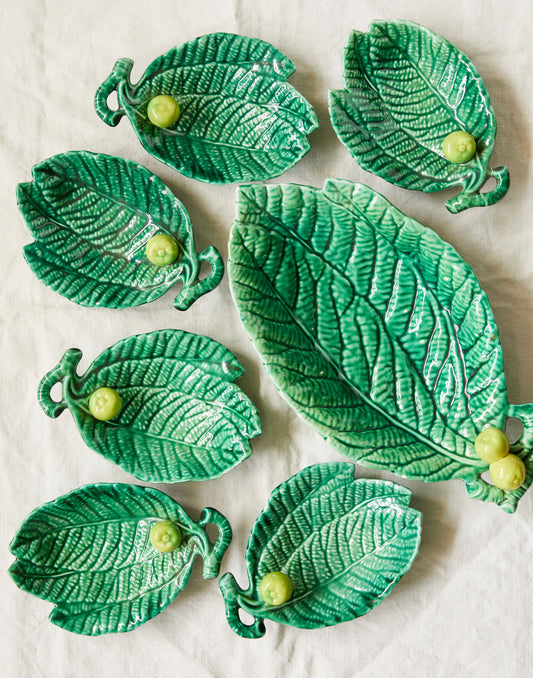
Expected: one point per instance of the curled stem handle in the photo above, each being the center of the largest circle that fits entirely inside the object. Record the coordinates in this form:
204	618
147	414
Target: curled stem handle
231	594
467	199
64	368
214	557
191	292
120	73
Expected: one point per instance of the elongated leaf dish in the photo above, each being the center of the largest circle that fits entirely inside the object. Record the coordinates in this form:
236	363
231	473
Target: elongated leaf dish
180	416
343	545
374	330
93	217
406	90
91	552
238	120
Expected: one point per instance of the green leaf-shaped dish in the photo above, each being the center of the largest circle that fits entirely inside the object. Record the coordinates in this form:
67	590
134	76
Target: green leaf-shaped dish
343	543
93	216
374	330
89	552
406	90
181	417
239	120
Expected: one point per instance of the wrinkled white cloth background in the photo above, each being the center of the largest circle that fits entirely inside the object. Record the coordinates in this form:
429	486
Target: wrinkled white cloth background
465	607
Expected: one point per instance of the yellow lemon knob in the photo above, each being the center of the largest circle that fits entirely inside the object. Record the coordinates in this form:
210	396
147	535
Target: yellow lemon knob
104	403
275	588
459	147
162	250
163	111
508	473
492	444
165	536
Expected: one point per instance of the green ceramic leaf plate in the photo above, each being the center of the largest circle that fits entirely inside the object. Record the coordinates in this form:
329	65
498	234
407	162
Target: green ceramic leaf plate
406	90
93	216
238	121
90	553
181	417
342	543
374	330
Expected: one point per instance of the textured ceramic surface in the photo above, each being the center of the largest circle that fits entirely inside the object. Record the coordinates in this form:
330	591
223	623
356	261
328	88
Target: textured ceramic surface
89	552
343	543
181	418
406	90
92	217
374	330
239	120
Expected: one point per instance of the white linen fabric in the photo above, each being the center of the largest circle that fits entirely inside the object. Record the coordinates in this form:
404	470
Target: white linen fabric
465	607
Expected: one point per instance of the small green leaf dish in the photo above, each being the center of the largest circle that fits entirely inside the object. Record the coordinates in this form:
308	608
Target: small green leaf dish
375	331
90	553
179	418
343	545
238	118
93	216
406	90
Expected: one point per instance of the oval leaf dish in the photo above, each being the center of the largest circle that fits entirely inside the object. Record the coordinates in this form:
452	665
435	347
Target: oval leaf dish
343	545
93	216
406	90
181	417
238	118
374	330
90	553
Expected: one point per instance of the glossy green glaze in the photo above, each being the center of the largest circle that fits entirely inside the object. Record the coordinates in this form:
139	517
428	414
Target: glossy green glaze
374	330
89	553
92	216
239	120
181	419
343	543
406	90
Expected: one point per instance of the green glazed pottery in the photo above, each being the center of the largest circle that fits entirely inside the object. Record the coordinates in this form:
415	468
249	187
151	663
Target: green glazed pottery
109	233
216	109
406	91
91	552
326	549
162	406
375	331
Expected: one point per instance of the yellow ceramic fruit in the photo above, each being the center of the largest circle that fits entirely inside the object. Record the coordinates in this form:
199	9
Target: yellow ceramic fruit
105	403
163	111
162	249
508	473
492	444
459	147
275	588
165	536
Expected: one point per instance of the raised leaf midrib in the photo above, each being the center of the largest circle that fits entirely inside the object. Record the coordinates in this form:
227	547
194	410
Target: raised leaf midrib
108	196
364	397
115	284
374	552
420	73
352	510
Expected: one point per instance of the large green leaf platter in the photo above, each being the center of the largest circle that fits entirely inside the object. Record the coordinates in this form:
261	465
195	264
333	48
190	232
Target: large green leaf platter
236	118
112	556
326	549
375	330
406	90
109	233
162	405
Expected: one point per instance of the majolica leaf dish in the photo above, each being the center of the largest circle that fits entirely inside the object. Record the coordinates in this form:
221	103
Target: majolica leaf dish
415	112
109	233
112	556
217	109
378	334
161	405
326	549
